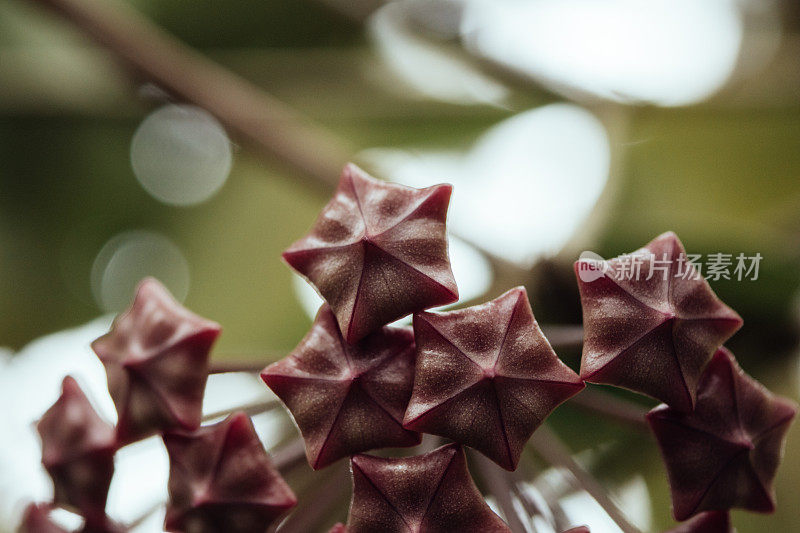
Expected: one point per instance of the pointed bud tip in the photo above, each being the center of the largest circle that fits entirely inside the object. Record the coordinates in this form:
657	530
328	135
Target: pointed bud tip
70	387
239	424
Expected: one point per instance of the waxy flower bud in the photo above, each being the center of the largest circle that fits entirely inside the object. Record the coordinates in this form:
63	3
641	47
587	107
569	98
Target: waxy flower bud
486	377
78	450
221	479
651	322
156	358
432	493
377	252
347	398
725	453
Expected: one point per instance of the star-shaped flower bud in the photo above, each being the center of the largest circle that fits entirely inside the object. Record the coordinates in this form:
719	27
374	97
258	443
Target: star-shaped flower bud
347	398
486	377
221	479
708	522
432	493
651	322
377	252
78	452
156	358
725	453
36	519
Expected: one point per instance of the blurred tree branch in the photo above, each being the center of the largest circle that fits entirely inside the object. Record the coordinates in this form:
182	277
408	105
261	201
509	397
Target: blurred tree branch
263	122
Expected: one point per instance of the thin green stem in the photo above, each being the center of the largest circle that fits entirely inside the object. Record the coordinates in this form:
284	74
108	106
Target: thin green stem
250	409
551	449
563	335
501	485
290	455
614	408
317	504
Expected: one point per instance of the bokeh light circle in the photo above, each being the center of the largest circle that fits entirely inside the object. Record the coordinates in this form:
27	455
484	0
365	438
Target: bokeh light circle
181	155
128	258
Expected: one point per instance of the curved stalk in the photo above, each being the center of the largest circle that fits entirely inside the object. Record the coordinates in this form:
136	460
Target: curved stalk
551	449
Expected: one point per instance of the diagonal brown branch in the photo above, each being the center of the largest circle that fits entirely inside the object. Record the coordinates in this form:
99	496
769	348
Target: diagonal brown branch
266	124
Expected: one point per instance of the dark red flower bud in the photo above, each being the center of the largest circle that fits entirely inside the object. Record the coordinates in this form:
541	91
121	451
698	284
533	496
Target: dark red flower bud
651	322
432	493
36	519
708	522
486	377
221	479
104	525
377	252
347	398
156	359
725	453
78	452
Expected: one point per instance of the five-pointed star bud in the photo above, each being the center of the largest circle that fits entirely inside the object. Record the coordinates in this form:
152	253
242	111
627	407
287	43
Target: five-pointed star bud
36	519
432	493
486	377
221	479
708	522
377	252
156	358
347	398
651	322
78	452
725	453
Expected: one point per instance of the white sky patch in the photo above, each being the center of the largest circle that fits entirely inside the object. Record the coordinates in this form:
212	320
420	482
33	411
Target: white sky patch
667	52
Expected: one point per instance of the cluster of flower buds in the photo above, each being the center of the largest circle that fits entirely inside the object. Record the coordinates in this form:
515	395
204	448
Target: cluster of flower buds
156	358
721	433
484	377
